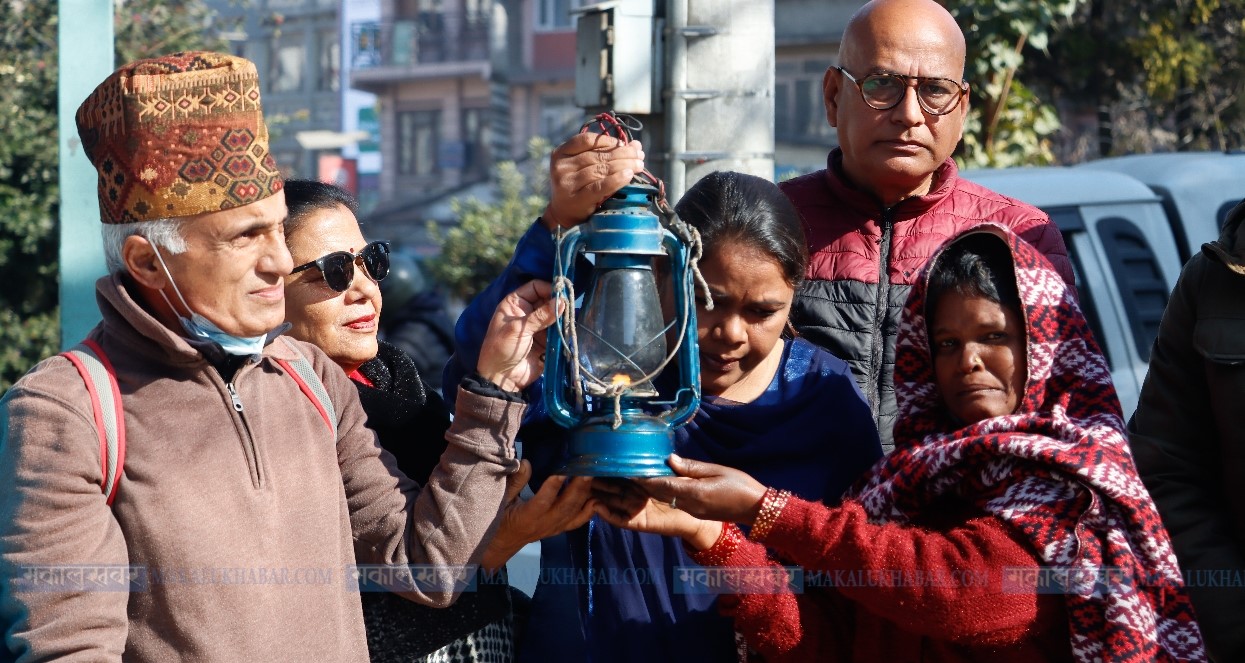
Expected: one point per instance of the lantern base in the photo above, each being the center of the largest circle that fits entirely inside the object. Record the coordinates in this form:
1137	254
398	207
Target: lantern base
637	448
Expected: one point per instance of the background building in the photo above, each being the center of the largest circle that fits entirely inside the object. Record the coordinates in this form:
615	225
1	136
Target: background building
460	84
410	102
296	46
360	116
807	34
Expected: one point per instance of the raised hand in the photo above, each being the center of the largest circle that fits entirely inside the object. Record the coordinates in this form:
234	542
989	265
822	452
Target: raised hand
512	355
705	490
584	171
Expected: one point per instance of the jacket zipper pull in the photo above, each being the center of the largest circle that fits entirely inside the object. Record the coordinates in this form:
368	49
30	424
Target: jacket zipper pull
233	395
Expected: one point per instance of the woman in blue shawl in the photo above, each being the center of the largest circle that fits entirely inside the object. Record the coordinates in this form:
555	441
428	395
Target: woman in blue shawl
775	406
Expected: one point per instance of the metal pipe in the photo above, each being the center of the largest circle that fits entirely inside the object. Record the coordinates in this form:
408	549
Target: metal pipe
676	102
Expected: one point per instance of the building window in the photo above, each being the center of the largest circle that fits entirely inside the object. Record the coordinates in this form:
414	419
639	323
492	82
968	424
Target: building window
799	110
475	138
365	45
1138	278
555	14
782	110
286	63
330	62
475	12
419	138
413	8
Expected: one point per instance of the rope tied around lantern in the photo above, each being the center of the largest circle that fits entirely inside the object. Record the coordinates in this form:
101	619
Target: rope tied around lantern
584	383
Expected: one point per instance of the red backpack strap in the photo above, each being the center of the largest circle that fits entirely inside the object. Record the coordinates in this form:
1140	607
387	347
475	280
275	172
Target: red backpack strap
101	384
311	385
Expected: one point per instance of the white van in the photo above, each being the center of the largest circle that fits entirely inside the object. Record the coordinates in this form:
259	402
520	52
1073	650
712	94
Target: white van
1120	242
1198	189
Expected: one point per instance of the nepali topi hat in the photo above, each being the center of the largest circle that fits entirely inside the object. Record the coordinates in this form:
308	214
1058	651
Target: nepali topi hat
176	136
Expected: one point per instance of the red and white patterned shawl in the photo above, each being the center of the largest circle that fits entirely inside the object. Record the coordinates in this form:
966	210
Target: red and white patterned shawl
1061	473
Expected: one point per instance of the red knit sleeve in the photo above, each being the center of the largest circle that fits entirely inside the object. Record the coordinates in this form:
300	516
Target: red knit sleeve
946	584
776	623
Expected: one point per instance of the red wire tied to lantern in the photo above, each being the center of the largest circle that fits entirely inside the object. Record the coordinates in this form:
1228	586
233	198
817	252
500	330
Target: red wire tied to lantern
621	126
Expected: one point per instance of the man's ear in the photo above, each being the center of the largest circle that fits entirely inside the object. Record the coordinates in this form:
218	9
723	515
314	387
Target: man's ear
831	81
963	111
141	262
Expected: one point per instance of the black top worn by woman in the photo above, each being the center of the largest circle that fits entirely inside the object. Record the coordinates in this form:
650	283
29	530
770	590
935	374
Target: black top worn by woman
410	421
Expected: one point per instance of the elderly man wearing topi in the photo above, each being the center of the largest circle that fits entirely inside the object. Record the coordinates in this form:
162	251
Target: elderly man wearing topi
889	195
250	487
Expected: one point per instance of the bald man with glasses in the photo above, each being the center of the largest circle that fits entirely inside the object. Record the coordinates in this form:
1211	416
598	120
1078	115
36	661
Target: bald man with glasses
890	194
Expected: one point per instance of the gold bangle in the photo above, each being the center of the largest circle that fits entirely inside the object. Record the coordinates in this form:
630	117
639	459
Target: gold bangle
771	508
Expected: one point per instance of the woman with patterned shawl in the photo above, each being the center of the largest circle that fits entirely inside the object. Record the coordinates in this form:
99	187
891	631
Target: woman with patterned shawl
1008	524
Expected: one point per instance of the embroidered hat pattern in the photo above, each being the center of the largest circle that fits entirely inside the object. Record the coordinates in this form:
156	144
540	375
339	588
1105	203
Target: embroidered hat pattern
178	135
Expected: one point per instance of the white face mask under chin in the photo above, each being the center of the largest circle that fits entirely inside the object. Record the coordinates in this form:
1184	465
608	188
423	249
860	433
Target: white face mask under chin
199	327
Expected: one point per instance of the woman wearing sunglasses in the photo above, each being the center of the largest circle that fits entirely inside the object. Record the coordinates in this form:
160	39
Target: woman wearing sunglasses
334	301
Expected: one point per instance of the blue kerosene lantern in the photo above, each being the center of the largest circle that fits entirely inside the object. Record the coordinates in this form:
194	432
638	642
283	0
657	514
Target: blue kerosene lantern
600	364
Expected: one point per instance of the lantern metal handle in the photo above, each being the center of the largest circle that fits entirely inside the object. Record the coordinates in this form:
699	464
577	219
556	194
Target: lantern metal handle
687	399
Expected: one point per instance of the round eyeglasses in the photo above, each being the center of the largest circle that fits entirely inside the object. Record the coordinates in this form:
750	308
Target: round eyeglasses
937	96
338	267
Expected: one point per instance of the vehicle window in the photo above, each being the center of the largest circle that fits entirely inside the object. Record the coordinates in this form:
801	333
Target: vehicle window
1137	275
1066	219
1070	223
1085	297
1175	222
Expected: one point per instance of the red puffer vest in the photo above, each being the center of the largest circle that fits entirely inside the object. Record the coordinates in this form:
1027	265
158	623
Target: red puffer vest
864	258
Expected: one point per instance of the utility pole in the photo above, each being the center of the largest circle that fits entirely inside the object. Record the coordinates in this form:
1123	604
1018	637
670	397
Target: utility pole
87	25
699	74
720	90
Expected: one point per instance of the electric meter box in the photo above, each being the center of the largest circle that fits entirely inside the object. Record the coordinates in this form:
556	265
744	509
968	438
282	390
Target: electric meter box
617	55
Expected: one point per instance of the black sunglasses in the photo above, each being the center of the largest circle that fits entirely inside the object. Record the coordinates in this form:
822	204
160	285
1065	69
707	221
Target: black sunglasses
338	267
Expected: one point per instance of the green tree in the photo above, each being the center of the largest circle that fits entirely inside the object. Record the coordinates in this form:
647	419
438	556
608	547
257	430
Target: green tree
148	28
29	194
1009	123
1162	75
475	251
28	187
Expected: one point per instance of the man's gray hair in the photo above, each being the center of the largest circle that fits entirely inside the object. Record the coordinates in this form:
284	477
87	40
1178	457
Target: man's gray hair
164	233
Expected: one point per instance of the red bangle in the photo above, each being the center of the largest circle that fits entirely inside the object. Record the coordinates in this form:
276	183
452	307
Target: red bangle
771	508
722	549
